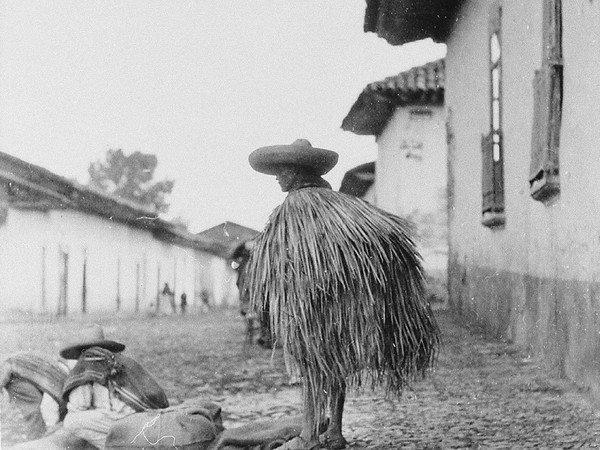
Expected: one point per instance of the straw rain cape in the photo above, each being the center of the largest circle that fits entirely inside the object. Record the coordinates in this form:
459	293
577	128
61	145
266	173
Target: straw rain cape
345	289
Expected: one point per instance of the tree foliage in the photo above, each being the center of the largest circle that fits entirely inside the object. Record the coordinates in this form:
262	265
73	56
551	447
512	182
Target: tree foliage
131	177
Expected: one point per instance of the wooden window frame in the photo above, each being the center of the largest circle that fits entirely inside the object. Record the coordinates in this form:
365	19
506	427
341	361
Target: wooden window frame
544	182
492	144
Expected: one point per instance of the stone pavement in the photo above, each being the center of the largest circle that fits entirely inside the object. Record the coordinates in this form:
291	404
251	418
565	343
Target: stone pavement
482	394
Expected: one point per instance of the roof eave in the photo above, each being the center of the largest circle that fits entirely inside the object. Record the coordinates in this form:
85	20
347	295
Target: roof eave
403	21
369	114
65	193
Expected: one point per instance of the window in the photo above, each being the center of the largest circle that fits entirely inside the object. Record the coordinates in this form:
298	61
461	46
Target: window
492	150
420	114
548	86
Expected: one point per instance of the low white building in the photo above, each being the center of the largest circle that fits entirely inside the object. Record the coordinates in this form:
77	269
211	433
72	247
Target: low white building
68	249
405	113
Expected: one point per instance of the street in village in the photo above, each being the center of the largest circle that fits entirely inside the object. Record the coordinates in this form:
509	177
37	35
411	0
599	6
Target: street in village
489	146
482	394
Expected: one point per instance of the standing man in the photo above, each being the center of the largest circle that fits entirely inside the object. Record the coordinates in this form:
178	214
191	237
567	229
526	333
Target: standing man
183	304
168	293
240	257
344	286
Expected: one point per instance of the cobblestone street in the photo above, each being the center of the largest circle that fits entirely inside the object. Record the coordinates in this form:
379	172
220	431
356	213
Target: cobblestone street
482	394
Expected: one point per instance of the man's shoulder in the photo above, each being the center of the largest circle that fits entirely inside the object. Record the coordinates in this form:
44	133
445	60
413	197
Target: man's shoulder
137	386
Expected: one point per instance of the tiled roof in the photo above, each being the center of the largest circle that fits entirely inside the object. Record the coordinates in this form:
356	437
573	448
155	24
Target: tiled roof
422	85
402	21
229	235
33	187
358	180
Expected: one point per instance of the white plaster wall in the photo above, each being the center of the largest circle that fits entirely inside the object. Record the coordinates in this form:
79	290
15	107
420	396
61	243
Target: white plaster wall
579	213
370	196
21	262
120	260
412	177
225	291
559	240
467	98
404	183
216	275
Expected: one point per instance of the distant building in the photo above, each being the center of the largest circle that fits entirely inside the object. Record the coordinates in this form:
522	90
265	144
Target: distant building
406	115
220	280
69	249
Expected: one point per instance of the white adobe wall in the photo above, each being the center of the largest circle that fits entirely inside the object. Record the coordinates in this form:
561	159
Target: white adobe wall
120	260
411	164
580	141
21	261
412	175
467	97
560	239
225	290
537	279
216	275
370	196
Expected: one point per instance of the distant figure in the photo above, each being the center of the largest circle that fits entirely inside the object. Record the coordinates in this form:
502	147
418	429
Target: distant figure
183	304
205	298
240	257
33	382
167	292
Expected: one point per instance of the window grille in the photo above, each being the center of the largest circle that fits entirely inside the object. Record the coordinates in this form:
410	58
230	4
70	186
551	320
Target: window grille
492	145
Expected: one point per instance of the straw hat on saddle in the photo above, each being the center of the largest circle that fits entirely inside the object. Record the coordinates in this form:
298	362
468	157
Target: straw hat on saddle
301	153
89	336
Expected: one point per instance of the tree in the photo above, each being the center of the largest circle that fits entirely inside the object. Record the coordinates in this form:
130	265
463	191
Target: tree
131	177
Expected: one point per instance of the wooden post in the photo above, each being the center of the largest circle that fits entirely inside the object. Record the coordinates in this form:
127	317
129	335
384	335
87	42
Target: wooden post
185	277
43	278
84	283
137	287
174	276
118	284
64	282
158	289
173	307
144	278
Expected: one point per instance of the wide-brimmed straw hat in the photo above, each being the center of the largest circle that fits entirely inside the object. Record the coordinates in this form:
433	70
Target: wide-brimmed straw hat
89	336
301	153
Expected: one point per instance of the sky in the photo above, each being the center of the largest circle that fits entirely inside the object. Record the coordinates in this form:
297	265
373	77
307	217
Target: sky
200	84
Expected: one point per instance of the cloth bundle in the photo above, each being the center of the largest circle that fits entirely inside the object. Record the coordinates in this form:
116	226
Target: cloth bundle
191	425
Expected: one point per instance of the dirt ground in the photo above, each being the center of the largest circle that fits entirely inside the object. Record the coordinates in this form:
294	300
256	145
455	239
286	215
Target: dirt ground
191	356
482	394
